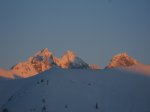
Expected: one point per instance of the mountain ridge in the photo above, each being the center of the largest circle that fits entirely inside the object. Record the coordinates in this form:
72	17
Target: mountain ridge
76	90
44	60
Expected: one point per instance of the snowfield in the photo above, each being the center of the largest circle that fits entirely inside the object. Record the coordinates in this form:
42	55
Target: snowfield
77	90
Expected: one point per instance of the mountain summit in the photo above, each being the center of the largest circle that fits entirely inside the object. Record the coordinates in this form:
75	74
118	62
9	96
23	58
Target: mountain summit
45	52
44	60
122	60
70	60
34	65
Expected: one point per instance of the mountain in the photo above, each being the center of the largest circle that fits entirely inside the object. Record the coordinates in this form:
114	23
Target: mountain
122	60
70	60
44	60
76	90
68	84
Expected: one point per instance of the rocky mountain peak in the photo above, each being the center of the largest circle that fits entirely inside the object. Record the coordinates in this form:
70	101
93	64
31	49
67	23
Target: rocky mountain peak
122	60
44	60
69	55
44	52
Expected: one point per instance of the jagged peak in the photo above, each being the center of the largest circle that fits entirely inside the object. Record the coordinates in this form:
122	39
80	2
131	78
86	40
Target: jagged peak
69	55
123	54
44	52
70	60
122	60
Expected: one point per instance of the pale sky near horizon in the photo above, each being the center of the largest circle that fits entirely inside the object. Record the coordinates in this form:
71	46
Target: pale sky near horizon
94	29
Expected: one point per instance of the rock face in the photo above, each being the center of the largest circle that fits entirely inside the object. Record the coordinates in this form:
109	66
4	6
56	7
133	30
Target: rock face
122	60
44	60
34	65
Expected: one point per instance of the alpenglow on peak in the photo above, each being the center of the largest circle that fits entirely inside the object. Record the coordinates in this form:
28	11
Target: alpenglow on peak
122	60
44	60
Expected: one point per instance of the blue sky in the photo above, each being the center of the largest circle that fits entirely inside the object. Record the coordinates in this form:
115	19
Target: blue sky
94	29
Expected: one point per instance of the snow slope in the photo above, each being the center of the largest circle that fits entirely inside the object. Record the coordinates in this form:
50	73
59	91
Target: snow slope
76	90
6	74
139	68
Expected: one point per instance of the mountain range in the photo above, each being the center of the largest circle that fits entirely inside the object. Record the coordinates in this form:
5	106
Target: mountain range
45	83
45	59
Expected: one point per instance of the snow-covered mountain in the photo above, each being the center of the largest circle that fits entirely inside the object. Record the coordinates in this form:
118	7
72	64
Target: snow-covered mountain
70	60
77	90
44	60
68	84
122	60
40	62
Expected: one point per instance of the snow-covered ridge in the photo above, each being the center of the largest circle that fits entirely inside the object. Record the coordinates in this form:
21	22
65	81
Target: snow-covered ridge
75	90
44	60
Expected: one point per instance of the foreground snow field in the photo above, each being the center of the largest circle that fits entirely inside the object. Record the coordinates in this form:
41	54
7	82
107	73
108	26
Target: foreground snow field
76	90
